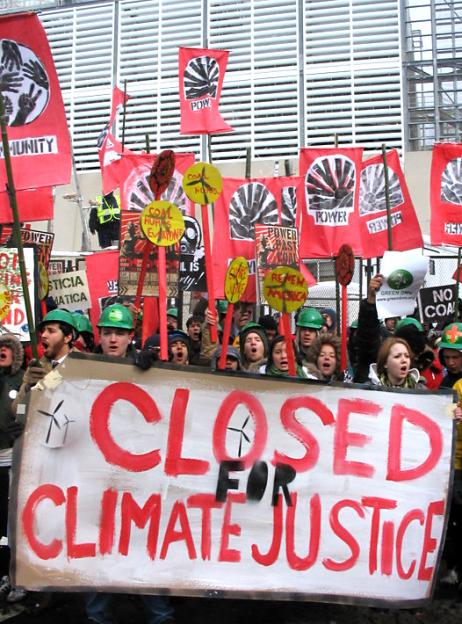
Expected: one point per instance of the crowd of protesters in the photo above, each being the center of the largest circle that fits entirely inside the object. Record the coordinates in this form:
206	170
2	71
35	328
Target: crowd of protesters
395	353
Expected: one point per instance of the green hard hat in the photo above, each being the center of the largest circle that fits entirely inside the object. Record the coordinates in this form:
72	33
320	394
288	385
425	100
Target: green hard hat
172	312
354	324
222	306
311	318
407	322
82	323
452	337
59	316
116	315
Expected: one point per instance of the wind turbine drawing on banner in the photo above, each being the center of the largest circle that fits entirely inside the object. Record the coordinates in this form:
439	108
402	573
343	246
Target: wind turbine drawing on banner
66	424
242	434
52	418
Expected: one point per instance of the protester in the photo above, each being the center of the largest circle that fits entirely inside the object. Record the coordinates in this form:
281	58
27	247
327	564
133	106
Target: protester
233	359
412	331
330	320
194	331
57	333
179	346
278	361
11	375
323	358
172	319
85	341
116	327
450	355
253	346
393	367
309	323
389	326
270	325
116	331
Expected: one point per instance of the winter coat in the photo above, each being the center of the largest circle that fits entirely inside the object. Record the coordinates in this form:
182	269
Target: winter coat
413	379
10	382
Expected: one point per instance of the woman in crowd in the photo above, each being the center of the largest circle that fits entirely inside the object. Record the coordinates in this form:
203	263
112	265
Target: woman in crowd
393	367
278	361
324	358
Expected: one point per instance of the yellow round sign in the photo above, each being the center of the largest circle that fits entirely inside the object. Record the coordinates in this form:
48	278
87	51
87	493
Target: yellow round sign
6	299
202	183
285	289
236	279
43	283
162	223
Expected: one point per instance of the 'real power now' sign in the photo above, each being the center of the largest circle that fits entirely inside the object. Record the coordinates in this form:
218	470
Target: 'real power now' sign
200	482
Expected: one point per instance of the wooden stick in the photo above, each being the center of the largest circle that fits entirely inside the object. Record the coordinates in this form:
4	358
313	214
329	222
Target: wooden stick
17	231
124	110
162	274
209	269
343	354
226	334
387	196
289	344
456	307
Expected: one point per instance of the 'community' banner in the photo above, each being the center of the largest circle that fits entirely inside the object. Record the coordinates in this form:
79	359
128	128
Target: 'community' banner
201	482
34	111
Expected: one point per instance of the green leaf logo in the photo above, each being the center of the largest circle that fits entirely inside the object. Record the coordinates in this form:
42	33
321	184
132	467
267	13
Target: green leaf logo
400	279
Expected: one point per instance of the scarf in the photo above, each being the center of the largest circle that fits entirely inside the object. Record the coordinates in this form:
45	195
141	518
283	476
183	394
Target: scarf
409	382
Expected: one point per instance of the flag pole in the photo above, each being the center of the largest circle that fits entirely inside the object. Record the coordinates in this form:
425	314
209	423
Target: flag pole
387	196
456	308
124	110
337	285
17	231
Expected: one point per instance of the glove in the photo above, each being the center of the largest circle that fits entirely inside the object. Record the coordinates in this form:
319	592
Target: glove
34	373
457	487
14	429
143	360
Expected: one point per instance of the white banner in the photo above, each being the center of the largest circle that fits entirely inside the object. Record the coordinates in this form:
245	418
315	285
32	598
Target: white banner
404	274
200	482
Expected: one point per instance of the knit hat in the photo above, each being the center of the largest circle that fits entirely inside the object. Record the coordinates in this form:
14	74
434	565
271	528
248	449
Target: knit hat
231	352
176	335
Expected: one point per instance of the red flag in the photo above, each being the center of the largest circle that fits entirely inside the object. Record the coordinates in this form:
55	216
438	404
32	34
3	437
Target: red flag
406	232
34	110
109	148
102	273
135	192
446	195
330	203
242	204
33	205
201	74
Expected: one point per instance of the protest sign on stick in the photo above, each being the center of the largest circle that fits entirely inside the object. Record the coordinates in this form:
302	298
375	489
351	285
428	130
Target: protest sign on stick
285	290
344	269
237	277
158	180
338	494
203	184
